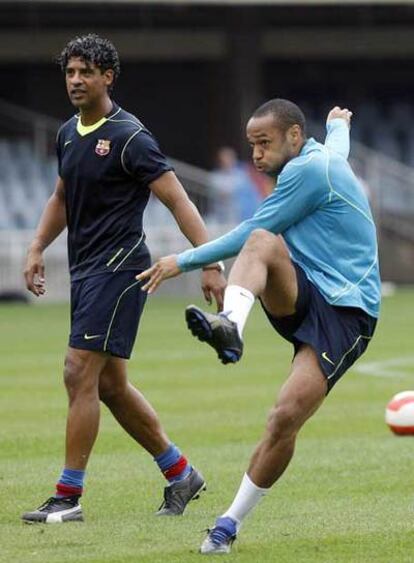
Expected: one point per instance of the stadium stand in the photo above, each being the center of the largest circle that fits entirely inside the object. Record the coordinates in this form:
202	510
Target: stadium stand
25	184
27	174
388	129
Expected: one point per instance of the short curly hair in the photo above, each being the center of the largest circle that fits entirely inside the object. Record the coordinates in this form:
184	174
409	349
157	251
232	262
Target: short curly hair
92	49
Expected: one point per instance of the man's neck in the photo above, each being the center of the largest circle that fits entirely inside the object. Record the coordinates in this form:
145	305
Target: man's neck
90	116
300	147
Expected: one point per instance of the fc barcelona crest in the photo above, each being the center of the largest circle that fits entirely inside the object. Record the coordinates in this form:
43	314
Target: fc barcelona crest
103	146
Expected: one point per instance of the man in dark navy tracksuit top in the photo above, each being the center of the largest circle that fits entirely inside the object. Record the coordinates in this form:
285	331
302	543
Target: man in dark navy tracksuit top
109	163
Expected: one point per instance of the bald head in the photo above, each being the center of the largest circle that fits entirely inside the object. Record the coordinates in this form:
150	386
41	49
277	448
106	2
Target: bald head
285	114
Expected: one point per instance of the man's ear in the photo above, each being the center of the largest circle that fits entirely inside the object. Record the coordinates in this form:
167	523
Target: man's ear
294	134
109	76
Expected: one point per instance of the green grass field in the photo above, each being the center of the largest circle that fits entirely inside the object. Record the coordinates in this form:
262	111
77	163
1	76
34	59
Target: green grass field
347	496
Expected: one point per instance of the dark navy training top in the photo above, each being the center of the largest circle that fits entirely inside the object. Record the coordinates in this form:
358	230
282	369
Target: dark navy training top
106	169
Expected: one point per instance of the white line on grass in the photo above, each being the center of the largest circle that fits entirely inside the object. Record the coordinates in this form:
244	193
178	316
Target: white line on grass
394	367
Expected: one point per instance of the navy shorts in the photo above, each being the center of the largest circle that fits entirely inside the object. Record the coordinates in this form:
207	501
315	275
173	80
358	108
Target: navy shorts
105	312
338	335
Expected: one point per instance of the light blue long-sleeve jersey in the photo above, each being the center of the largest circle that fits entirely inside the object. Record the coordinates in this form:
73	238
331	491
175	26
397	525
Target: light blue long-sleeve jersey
322	212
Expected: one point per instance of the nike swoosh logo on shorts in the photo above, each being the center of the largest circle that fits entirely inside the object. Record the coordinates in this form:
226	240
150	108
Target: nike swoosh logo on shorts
325	357
91	336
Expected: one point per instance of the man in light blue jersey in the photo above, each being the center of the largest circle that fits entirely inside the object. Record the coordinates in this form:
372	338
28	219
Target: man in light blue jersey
309	254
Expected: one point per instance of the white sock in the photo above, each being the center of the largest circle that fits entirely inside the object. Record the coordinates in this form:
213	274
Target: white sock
245	500
238	302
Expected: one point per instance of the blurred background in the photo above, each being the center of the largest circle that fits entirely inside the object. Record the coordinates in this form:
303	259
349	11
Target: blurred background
193	71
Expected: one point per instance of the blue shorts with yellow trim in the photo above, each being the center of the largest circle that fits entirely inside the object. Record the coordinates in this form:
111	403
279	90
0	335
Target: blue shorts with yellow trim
338	335
105	312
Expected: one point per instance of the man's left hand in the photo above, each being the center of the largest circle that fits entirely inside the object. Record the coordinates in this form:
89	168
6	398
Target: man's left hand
340	113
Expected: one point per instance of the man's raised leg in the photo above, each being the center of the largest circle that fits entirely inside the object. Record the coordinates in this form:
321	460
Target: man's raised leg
262	269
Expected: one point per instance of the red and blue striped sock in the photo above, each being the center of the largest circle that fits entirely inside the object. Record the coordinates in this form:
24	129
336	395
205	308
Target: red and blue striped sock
173	464
70	483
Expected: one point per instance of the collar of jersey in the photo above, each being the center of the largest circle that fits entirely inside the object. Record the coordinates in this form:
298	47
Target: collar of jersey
309	145
86	129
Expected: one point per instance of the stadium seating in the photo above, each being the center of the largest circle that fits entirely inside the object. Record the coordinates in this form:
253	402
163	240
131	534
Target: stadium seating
25	184
26	180
386	129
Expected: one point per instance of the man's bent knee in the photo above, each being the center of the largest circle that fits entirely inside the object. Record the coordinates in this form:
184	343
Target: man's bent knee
111	390
283	421
262	242
262	236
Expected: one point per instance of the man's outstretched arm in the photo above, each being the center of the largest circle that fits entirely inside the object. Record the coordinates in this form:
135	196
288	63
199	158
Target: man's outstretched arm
287	205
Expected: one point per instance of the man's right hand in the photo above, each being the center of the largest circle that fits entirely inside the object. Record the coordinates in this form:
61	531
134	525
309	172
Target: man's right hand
34	272
339	113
